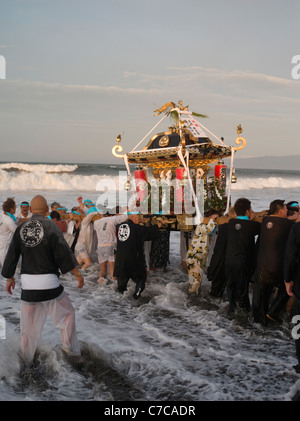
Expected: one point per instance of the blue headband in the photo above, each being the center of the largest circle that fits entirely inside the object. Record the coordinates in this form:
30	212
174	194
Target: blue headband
294	205
93	209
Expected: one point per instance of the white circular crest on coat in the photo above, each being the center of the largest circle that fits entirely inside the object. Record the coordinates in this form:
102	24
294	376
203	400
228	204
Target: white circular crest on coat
238	227
32	233
124	232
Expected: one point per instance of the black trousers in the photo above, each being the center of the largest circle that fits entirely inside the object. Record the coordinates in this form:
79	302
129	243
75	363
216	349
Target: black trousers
260	301
263	303
218	283
238	287
139	281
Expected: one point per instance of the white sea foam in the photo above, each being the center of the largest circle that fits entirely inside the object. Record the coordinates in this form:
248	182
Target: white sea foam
64	177
60	181
246	183
52	168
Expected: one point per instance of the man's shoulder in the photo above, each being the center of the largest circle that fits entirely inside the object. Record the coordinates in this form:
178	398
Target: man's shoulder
234	221
237	224
39	221
277	220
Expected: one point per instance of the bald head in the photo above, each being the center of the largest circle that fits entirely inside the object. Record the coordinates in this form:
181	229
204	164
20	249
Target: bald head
39	205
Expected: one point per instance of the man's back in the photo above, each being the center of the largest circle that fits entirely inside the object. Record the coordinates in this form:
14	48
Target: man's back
42	247
106	228
44	253
240	249
273	238
130	258
292	258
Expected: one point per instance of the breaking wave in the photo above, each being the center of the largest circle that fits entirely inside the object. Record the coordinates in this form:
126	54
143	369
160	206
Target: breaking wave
266	183
17	176
47	168
47	181
39	180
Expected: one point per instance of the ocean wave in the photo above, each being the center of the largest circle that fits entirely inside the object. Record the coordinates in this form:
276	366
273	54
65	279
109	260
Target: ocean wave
60	177
45	181
260	183
47	168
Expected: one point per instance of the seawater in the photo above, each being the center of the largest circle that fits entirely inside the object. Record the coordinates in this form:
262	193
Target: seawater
166	346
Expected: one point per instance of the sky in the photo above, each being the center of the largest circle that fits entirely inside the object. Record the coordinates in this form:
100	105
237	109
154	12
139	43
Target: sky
78	73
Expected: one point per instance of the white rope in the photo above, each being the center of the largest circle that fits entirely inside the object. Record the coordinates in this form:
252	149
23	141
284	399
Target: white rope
229	181
149	132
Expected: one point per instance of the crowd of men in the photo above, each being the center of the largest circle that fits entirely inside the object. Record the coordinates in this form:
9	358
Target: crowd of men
50	242
233	255
264	254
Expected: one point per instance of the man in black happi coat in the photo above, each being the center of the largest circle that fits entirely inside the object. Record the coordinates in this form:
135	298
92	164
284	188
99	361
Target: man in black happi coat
216	264
44	254
240	257
130	258
292	279
274	233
